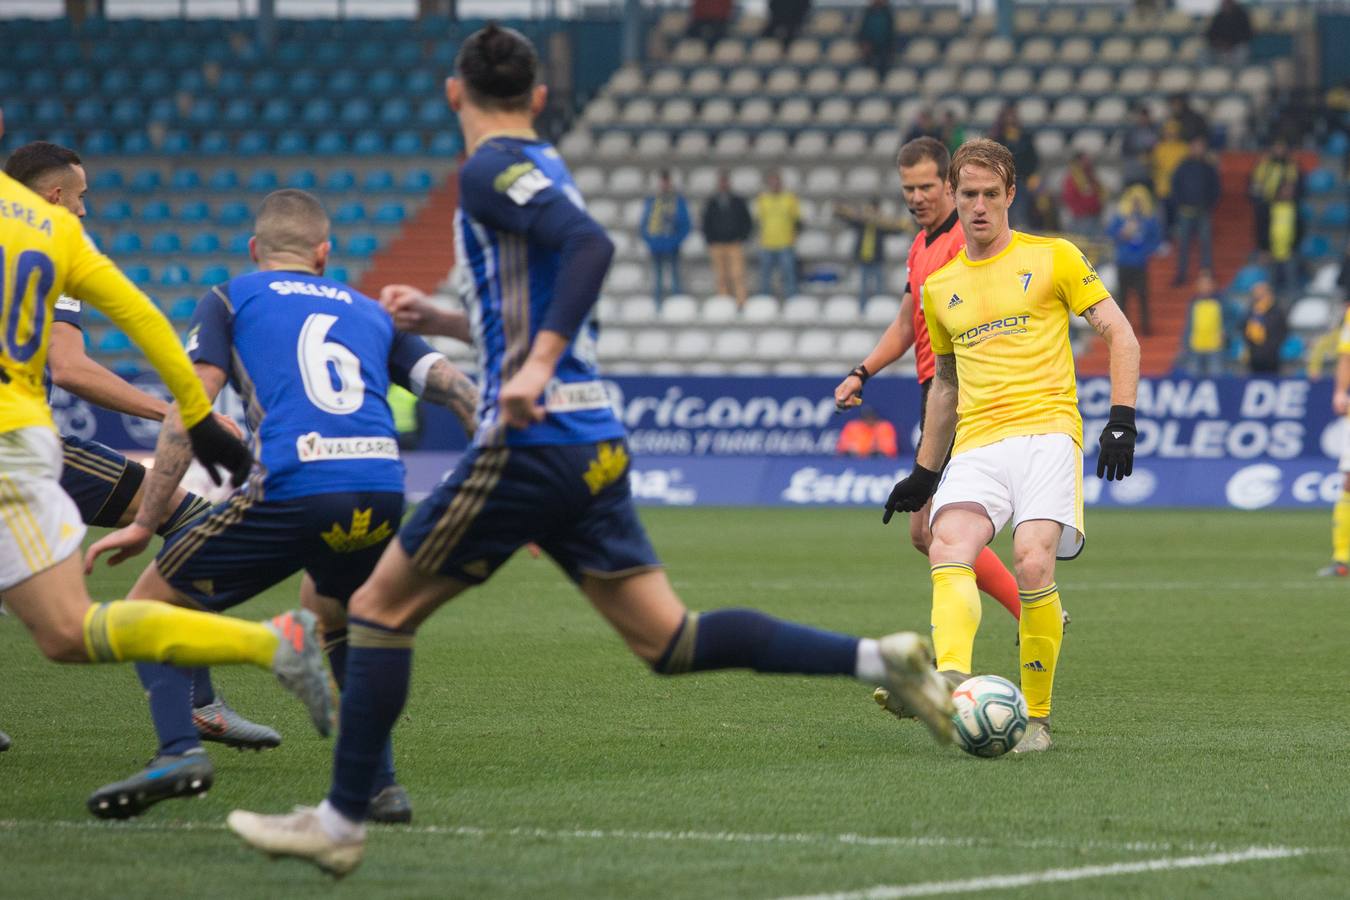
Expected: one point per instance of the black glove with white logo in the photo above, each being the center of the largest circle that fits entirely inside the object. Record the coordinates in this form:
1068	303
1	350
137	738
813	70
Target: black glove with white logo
911	493
1115	459
215	446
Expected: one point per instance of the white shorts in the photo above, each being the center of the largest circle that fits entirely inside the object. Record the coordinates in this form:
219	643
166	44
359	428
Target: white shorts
39	523
1038	476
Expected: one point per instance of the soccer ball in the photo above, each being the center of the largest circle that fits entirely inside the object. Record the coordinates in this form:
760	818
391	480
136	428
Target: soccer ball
990	717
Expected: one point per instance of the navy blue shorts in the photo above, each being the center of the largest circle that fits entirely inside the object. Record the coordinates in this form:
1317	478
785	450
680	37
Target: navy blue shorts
572	500
100	480
244	545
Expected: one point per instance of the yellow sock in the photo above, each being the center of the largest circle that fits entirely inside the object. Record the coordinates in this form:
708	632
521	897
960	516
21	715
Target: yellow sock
956	615
150	631
1340	529
1042	631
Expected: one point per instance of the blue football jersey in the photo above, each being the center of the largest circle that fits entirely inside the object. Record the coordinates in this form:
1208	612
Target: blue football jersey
513	262
312	359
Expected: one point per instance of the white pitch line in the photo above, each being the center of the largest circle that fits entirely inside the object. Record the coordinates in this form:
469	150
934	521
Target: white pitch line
714	837
1025	879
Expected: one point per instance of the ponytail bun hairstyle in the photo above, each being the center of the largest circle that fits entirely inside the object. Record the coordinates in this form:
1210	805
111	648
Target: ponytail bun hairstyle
498	67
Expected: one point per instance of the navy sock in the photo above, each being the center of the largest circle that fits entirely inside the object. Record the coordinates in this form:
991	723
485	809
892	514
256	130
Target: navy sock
335	645
379	666
203	692
170	692
749	639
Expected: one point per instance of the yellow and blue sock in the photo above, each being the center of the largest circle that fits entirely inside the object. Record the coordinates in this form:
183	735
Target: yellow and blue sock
379	667
1340	529
749	639
1041	629
956	615
150	631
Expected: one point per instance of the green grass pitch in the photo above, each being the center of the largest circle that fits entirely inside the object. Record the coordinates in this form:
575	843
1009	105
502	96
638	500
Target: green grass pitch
1202	712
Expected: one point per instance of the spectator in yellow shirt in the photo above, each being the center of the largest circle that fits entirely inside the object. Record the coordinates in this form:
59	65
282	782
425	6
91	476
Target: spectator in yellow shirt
1204	338
778	214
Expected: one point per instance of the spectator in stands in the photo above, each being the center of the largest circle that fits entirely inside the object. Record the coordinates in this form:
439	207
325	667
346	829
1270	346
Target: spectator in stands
1343	276
1205	337
1283	240
665	225
924	126
1136	147
1082	195
1009	132
1229	33
870	228
1191	124
1137	234
1195	193
778	213
709	20
1041	204
726	228
953	132
868	435
1273	171
1167	155
1264	331
876	36
786	18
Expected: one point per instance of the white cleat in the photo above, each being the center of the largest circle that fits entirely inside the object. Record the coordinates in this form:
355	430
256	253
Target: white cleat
914	685
299	834
1037	737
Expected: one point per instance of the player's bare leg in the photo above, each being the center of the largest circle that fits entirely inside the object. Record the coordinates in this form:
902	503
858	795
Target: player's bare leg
1041	628
991	575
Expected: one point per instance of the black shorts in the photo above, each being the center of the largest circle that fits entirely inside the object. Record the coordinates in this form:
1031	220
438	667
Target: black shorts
243	546
573	500
101	481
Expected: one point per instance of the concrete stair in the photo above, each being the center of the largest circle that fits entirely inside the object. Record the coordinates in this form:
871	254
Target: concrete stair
424	251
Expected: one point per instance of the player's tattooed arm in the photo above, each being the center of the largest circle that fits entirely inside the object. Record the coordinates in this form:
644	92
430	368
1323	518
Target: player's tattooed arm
173	456
1108	320
940	413
449	387
1097	321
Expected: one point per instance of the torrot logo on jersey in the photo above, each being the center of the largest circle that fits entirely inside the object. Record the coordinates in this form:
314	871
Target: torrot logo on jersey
990	330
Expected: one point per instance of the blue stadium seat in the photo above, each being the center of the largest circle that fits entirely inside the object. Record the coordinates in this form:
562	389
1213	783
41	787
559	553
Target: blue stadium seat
290	53
185	180
214	275
155	211
239	244
176	143
145	181
49	112
126	369
125	243
1336	215
65	55
252	143
378	180
114	341
317	111
136	143
406	55
96	237
390	214
264	82
277	111
416	181
232	83
238	113
305	83
77	83
106	180
205	243
127	111
1320	181
345	82
155	83
1314	246
214	143
183	308
233	213
139	274
99	143
161	109
194	211
370	54
357	112
166	242
368	143
422	83
175	275
304	179
204	111
350	212
263	180
337	273
330	143
407	143
90	111
39	83
1337	144
115	82
339	180
114	211
292	143
362	246
433	112
447	143
223	179
332	54
383	82
395	112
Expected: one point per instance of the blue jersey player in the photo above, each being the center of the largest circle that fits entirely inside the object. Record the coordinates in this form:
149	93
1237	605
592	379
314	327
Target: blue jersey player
105	485
548	464
313	360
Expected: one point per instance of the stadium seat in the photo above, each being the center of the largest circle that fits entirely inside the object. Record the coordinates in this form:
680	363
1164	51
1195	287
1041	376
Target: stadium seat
338	273
1320	181
239	243
212	275
183	308
760	308
773	344
637	310
349	212
691	344
139	274
155	211
174	275
361	245
446	143
328	143
881	310
166	242
679	309
390	214
125	243
718	310
614	344
194	211
417	181
232	213
292	143
253	143
1311	314
651	345
1314	247
358	111
214	143
1336	215
145	181
262	181
378	180
114	341
407	143
204	244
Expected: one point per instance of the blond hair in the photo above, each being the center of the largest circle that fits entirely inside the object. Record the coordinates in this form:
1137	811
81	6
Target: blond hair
987	154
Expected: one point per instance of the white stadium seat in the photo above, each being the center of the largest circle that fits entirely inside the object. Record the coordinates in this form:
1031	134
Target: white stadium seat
920	52
766	51
709	368
901	81
691	344
704	81
1089	141
874	111
755	113
717	112
998	51
881	310
718	310
855	343
1037	51
822	83
801	310
811	144
1175	79
1015	82
938	80
1135	80
1075	51
702	180
733	345
962	51
977	80
1154	50
732	145
1311	314
679	309
1096	80
1110	112
841	309
743	83
601	111
863	180
773	345
1116	50
1032	111
835	111
627	181
577	144
652	145
783	82
614	145
858	82
678	113
746	181
638	111
815	345
842	53
795	112
1214	80
804	52
614	343
813	245
589	180
627	80
850	144
1070	111
729	52
772	144
823	181
665	82
1055	80
692	145
688	52
760	308
651	344
637	309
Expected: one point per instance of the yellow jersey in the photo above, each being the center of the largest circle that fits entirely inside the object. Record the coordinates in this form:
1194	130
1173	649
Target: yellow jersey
1343	342
1006	319
45	253
778	215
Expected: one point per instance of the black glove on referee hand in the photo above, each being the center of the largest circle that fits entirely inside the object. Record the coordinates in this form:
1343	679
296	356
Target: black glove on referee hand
911	493
215	446
1115	459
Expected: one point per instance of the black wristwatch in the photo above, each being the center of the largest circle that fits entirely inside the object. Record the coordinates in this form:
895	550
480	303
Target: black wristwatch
860	372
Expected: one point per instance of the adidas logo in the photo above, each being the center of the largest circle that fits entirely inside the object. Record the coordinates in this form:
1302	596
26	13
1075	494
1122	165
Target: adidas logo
1034	666
954	302
1117	434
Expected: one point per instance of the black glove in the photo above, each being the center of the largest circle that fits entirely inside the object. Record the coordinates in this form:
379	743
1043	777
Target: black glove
215	446
1115	459
912	493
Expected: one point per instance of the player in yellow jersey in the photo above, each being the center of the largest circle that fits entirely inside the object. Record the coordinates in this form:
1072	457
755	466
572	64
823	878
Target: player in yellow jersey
45	253
998	317
1340	513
